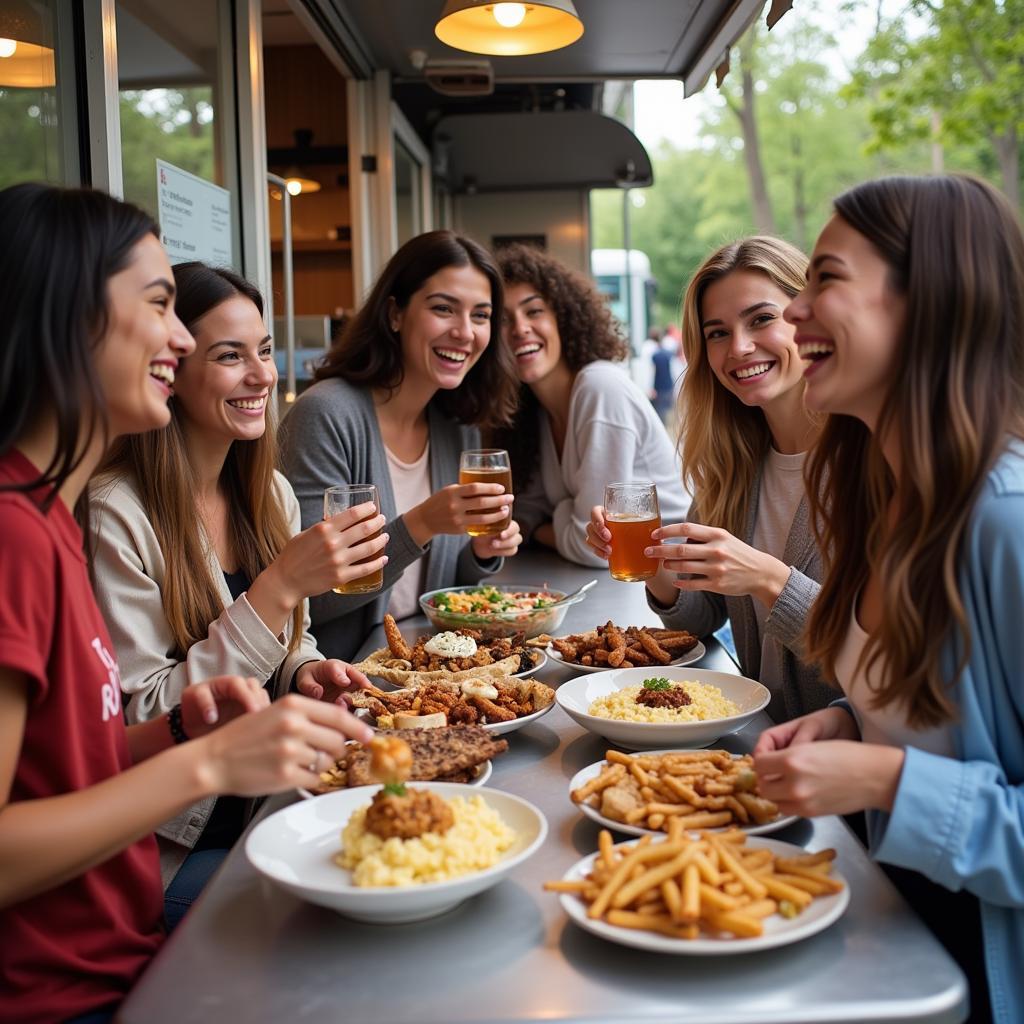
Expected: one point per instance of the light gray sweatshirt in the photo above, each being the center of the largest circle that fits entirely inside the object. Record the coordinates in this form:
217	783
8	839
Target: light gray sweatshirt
332	437
801	688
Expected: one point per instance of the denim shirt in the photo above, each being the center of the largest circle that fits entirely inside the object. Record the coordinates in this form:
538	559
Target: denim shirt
961	822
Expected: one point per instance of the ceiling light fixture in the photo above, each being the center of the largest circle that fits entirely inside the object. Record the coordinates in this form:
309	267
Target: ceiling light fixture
508	29
297	183
26	61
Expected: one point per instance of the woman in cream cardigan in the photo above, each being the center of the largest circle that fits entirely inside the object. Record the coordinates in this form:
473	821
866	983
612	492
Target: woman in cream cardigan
199	564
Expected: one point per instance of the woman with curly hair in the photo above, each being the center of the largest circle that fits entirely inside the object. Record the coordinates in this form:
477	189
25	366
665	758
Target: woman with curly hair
749	553
404	391
582	423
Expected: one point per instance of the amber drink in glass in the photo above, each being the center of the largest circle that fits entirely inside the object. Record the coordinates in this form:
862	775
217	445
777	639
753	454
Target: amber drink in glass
486	466
337	499
631	513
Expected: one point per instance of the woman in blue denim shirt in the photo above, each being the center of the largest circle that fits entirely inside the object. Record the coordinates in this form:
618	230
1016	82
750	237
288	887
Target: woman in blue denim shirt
912	323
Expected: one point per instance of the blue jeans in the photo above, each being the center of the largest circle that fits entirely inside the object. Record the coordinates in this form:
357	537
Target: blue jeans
189	882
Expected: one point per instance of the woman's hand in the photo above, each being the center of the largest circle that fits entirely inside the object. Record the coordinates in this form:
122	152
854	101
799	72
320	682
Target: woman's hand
329	680
599	537
498	545
826	724
722	562
281	747
830	777
206	705
326	556
455	508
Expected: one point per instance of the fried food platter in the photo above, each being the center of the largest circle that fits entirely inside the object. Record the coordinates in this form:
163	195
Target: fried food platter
407	665
611	646
592	791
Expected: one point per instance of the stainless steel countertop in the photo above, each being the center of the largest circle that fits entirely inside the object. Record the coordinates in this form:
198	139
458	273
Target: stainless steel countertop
250	952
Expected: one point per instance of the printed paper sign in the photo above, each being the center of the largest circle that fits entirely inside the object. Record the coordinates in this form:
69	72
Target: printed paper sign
195	217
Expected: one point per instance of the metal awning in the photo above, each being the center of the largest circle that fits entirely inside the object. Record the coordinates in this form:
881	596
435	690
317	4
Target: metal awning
509	152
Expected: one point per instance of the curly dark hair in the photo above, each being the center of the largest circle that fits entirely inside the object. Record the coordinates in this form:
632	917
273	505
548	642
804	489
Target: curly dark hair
369	353
587	329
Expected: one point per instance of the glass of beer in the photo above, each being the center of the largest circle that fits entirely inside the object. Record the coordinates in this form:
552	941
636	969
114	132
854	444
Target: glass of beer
486	466
337	499
631	513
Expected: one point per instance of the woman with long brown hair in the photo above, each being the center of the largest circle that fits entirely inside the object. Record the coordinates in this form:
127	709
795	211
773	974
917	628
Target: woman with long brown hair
199	564
749	555
582	423
405	390
911	324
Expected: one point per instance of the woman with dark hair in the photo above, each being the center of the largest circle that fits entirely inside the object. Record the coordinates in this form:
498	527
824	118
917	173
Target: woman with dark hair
90	346
199	564
401	394
582	423
911	324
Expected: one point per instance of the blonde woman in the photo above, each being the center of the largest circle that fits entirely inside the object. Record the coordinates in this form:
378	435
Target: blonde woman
749	554
199	564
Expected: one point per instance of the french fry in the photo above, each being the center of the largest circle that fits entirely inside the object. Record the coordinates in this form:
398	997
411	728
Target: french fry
609	777
690	911
737	923
662	924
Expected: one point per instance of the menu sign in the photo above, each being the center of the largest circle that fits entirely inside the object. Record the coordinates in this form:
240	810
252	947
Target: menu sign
195	217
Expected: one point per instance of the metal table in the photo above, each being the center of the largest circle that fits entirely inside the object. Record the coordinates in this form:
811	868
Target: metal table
250	952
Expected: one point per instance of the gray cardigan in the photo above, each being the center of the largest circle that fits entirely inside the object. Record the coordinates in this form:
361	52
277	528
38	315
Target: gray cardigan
702	612
331	437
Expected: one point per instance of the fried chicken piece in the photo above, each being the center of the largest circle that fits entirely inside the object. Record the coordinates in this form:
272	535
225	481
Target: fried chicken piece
616	644
491	711
566	649
461	713
653	648
396	642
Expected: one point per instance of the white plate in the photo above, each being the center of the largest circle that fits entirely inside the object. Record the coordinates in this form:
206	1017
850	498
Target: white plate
536	668
778	931
500	728
483	773
295	849
577	694
692	655
593	770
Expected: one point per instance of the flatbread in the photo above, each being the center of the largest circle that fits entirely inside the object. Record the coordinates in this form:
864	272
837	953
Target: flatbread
384	665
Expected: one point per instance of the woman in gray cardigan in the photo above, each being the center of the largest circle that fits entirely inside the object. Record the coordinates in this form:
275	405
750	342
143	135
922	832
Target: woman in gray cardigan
418	370
749	553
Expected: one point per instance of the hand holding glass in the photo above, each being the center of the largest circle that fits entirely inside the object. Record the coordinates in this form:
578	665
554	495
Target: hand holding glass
486	466
631	514
337	499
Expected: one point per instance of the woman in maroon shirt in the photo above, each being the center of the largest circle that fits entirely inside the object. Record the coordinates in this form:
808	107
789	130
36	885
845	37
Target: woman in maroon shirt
90	344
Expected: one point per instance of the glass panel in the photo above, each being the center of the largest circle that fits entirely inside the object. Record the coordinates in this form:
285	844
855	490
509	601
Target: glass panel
33	146
407	193
168	77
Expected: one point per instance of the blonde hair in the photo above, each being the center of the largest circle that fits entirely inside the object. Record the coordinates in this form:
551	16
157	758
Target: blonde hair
723	441
955	251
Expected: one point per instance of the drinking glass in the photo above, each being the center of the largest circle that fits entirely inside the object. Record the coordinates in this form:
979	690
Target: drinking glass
337	499
486	466
631	513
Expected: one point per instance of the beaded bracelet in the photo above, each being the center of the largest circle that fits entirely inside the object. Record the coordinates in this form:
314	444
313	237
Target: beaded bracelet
178	733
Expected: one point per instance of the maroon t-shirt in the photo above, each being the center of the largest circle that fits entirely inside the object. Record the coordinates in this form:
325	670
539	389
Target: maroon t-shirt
80	946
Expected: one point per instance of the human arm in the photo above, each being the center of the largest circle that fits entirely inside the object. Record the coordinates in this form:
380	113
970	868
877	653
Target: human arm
45	842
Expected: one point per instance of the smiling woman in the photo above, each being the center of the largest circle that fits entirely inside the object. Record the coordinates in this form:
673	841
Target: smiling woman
200	567
402	394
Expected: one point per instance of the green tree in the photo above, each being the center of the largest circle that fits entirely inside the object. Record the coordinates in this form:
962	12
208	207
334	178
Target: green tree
958	85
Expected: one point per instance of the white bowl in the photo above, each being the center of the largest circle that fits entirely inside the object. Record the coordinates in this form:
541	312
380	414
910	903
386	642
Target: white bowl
295	848
576	695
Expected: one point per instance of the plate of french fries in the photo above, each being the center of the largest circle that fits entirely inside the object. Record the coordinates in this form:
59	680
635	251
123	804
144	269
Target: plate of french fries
641	794
710	894
611	646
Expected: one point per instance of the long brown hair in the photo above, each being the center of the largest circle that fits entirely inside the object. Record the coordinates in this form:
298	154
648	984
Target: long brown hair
955	251
369	353
723	441
158	465
587	329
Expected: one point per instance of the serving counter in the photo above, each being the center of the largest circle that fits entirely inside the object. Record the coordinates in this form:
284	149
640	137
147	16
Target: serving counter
250	952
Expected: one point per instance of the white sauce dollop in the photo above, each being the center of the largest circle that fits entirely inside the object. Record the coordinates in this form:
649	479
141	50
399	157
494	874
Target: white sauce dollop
451	645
